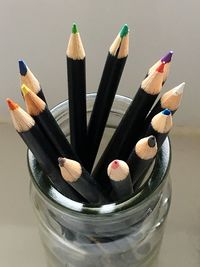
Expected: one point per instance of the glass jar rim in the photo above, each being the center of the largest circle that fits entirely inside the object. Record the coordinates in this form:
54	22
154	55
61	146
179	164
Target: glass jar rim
153	183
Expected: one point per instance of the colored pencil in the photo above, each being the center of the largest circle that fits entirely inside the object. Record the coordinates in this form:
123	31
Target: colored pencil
131	150
141	158
128	131
37	108
110	79
118	172
160	126
30	80
167	59
36	141
170	100
75	175
77	93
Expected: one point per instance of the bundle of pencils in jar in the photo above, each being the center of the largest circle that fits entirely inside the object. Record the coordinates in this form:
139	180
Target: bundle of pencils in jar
122	166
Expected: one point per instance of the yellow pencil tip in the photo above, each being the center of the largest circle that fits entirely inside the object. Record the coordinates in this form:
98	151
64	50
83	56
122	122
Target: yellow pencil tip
25	90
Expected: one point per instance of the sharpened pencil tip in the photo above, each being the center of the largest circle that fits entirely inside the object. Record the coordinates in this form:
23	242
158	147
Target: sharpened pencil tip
22	67
124	31
166	112
25	90
160	68
178	90
151	141
115	164
61	161
74	28
168	57
11	104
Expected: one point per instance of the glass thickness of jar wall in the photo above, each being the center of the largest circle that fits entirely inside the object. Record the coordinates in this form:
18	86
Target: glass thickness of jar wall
124	234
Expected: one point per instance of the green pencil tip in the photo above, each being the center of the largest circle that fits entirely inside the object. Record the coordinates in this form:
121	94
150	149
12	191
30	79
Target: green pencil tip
74	28
124	30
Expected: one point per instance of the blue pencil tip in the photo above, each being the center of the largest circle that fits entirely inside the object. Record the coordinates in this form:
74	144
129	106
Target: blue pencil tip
22	67
166	112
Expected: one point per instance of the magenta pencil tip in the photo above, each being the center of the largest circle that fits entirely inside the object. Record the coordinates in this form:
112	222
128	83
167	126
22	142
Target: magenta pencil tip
168	57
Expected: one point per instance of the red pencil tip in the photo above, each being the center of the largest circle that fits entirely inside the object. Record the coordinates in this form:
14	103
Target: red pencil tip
160	68
115	164
12	105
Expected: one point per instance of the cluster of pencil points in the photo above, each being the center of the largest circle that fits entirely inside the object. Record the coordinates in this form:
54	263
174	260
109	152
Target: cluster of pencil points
131	150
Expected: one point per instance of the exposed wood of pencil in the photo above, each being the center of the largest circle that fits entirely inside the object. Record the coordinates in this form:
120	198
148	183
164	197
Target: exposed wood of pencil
152	84
43	151
73	173
127	133
141	158
37	108
30	80
160	126
110	79
120	46
162	122
118	172
170	100
75	49
77	93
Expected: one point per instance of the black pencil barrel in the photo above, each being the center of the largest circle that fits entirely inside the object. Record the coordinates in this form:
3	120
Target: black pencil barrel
52	130
87	187
137	166
156	109
44	154
160	137
77	105
122	189
105	96
40	94
126	135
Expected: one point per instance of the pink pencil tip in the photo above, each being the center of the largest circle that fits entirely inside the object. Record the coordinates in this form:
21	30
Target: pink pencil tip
115	164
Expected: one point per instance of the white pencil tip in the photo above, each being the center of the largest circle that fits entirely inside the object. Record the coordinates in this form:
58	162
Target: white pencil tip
178	90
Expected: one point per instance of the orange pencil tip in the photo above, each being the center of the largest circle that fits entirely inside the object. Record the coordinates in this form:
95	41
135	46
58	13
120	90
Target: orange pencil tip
160	68
11	104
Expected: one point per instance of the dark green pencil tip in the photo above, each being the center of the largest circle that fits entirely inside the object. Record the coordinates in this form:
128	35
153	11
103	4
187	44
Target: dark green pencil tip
124	30
74	28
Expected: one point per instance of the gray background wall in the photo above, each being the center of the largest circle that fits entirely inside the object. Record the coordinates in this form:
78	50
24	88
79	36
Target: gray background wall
38	32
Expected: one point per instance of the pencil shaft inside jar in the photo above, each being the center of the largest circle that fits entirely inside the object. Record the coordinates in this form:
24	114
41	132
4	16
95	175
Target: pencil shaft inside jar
117	234
119	107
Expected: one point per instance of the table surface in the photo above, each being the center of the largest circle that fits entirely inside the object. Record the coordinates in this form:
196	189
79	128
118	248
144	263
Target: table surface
20	244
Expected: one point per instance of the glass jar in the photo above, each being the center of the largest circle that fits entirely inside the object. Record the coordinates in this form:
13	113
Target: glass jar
124	234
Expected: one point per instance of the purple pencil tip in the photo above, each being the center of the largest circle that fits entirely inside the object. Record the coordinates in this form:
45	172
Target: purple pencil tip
167	58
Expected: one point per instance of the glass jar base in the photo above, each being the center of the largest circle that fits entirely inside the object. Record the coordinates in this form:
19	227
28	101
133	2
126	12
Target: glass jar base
136	250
